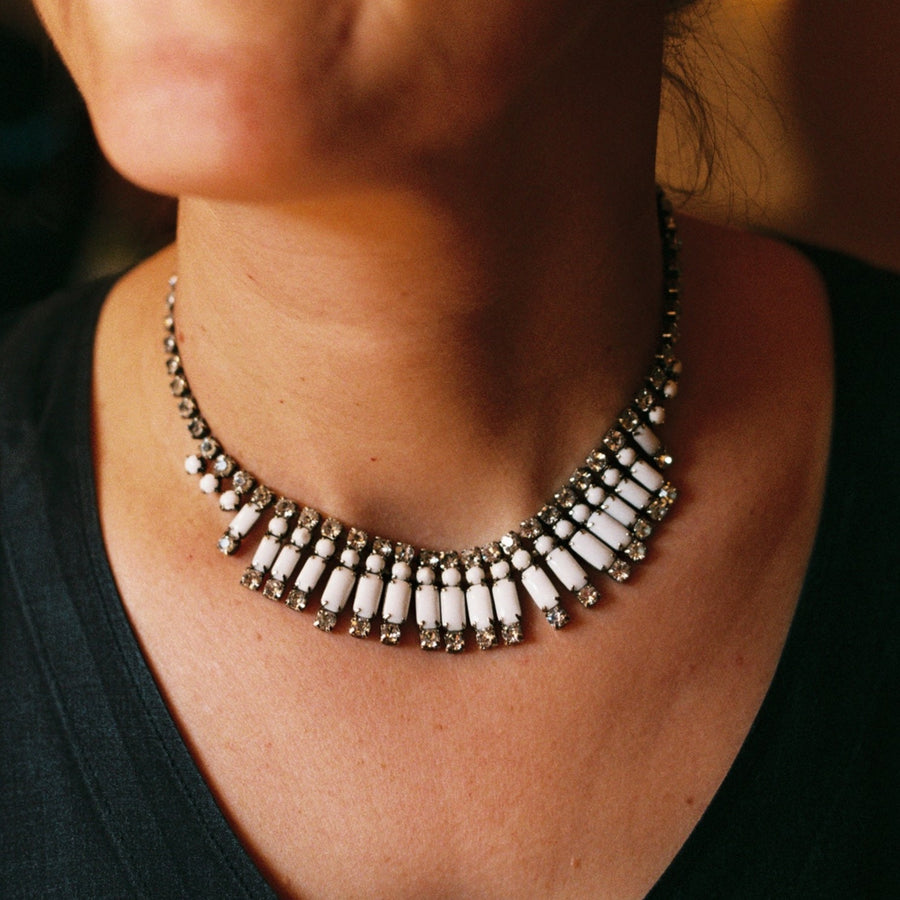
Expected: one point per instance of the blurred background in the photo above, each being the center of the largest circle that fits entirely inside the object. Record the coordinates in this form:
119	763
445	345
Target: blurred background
801	122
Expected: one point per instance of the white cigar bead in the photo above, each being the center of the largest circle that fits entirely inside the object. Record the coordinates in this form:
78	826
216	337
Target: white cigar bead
453	608
566	568
193	464
286	562
247	516
580	513
368	593
538	584
228	501
647	440
595	495
265	553
337	589
592	550
626	456
301	536
428	606
310	574
521	559
375	564
209	483
500	570
544	544
324	547
647	475
611	477
396	602
631	492
620	510
349	558
480	607
278	526
401	571
475	575
506	601
564	529
611	532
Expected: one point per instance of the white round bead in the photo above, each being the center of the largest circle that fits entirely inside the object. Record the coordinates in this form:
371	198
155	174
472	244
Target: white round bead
228	501
193	464
475	575
209	483
375	565
401	571
324	547
500	569
521	559
451	577
278	526
425	575
349	558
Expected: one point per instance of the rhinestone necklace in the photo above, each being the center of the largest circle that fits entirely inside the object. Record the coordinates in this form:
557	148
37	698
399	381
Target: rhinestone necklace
598	522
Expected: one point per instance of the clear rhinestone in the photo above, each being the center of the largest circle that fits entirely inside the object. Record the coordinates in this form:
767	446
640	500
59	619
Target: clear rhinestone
531	528
198	428
636	551
492	553
619	571
285	508
645	399
669	491
331	528
223	465
430	638
169	344
566	498
173	365
296	599
597	461
178	385
187	407
325	619
252	579
510	542
261	497
449	560
356	539
657	509
228	543
454	641
642	529
429	559
382	547
309	517
629	420
471	558
588	596
390	633
581	479
614	439
549	515
404	553
241	482
274	589
557	617
658	376
209	448
512	634
486	638
360	627
169	323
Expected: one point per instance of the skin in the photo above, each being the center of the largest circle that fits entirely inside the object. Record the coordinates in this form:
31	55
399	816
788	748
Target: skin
383	205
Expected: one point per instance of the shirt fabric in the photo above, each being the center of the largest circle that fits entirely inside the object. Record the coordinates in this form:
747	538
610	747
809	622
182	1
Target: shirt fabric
100	798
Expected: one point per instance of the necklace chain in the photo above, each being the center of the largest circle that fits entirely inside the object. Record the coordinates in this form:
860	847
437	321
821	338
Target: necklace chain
598	522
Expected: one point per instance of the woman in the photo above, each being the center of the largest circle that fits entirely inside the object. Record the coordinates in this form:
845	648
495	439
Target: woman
419	275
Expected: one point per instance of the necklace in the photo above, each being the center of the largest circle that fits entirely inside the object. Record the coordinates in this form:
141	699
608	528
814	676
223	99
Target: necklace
598	522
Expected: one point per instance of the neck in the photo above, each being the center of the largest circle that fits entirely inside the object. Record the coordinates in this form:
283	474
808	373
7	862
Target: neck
463	337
